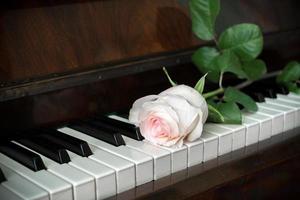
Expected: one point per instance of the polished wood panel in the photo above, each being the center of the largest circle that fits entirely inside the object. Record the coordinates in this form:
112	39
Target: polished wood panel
40	38
279	48
49	83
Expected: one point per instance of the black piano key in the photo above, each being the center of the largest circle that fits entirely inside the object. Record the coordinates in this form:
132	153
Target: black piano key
255	93
2	177
46	148
107	135
27	158
257	96
281	90
270	93
127	129
73	144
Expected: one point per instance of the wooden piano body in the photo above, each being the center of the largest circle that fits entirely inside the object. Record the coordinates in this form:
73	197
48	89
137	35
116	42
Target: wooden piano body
65	60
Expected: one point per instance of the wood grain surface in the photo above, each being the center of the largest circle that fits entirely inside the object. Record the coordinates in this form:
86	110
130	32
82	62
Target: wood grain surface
40	38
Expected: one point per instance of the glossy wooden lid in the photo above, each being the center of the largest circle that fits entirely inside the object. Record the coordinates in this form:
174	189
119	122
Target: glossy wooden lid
51	38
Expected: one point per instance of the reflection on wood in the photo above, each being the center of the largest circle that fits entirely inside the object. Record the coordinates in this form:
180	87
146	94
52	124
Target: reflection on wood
52	39
47	37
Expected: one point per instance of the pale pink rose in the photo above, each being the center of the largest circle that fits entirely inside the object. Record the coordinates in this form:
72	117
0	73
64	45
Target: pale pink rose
167	119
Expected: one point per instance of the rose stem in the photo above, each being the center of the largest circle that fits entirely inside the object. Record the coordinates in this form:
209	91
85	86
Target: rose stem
169	78
239	86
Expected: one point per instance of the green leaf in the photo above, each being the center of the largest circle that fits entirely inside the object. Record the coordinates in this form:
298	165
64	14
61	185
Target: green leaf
204	14
245	40
291	72
200	84
234	95
202	58
292	87
230	112
254	69
214	115
228	62
211	101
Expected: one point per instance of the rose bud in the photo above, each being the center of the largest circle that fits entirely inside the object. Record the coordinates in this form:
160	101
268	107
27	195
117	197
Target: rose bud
167	119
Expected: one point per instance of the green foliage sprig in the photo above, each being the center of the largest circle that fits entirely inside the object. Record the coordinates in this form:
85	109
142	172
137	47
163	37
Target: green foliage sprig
290	77
235	51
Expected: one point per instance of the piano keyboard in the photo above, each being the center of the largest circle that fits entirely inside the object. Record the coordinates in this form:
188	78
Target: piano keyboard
75	163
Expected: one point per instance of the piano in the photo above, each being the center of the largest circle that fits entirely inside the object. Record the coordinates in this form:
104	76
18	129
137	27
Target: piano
70	71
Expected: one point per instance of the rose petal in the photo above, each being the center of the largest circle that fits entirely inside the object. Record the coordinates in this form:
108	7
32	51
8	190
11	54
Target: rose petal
158	106
136	107
168	142
161	110
187	114
196	133
177	142
191	95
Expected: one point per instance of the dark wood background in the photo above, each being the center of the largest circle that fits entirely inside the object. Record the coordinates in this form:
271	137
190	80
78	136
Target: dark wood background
62	60
39	38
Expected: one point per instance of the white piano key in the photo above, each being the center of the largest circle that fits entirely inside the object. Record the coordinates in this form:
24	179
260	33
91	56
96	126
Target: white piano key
225	137
83	184
286	101
265	124
143	163
161	157
295	101
125	170
277	119
105	177
195	152
116	117
295	98
55	186
210	146
292	94
289	114
7	194
179	156
22	186
238	135
252	131
291	105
